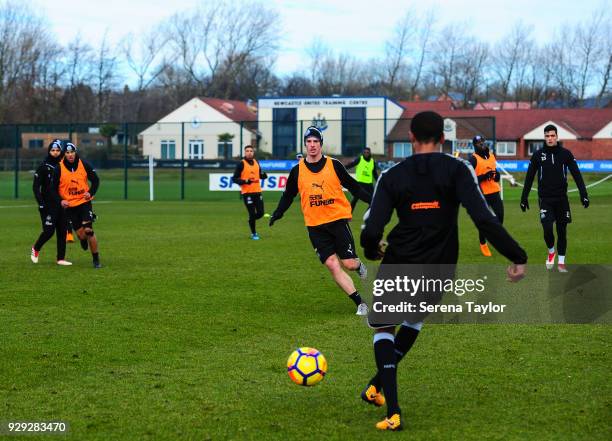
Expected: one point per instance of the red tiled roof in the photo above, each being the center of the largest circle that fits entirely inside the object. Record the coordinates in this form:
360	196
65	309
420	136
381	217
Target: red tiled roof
505	105
513	124
414	107
235	110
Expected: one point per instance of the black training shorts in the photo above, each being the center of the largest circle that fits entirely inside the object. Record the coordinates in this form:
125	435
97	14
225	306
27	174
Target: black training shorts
555	210
333	238
81	214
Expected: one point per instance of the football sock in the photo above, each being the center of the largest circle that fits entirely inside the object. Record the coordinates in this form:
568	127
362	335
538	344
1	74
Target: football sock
252	225
551	250
549	237
96	256
355	297
384	352
561	260
561	238
405	338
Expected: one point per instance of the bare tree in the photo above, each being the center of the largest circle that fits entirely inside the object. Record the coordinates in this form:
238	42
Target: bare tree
24	43
144	54
421	52
509	59
105	76
470	70
450	48
397	49
211	46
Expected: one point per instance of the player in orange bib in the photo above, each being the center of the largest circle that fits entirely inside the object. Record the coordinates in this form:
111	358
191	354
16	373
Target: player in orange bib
248	174
76	195
485	166
327	212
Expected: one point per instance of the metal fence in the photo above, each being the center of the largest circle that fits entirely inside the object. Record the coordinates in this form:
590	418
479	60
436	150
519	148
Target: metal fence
186	152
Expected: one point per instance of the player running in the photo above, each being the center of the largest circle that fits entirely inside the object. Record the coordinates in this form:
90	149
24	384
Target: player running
248	174
425	190
319	181
76	195
49	207
365	173
551	163
485	165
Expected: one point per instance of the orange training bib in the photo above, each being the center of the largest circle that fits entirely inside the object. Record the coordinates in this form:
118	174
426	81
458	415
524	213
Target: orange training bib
483	166
73	185
250	172
323	200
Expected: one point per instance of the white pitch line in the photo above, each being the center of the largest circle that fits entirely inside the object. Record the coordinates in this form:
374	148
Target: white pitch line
34	206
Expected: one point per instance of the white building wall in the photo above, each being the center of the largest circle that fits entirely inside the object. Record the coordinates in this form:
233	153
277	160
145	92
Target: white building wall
202	122
327	112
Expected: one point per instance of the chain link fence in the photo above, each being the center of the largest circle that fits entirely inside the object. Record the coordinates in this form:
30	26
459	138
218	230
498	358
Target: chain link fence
186	153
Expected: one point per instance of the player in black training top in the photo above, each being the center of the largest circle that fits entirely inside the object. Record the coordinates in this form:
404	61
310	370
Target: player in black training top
425	191
552	162
49	208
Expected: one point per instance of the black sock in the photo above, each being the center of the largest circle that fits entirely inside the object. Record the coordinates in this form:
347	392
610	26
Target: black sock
96	256
355	297
405	338
386	361
252	225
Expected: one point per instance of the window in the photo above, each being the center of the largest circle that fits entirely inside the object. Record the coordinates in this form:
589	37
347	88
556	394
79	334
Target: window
402	149
35	143
99	143
168	149
86	141
224	150
284	132
506	148
353	130
532	146
196	149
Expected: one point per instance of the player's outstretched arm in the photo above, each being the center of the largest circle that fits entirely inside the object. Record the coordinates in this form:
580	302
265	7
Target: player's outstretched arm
291	191
375	219
350	183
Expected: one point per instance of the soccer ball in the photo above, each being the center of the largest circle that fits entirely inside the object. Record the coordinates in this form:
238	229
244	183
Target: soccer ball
306	366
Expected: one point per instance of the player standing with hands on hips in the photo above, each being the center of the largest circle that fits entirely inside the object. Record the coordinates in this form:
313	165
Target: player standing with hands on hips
425	190
319	181
49	207
76	195
551	162
248	174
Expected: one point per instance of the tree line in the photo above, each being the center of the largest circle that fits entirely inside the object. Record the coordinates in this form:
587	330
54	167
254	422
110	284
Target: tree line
228	50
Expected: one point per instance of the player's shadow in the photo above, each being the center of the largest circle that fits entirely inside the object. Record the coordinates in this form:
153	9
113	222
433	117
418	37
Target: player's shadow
581	296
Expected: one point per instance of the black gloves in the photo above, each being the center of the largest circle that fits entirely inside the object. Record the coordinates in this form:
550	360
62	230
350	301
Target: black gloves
275	216
585	202
524	205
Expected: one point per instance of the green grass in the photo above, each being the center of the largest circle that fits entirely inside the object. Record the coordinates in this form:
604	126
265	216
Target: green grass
185	333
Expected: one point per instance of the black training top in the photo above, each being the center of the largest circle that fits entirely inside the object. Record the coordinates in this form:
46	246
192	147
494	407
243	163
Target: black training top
425	190
44	184
551	164
347	181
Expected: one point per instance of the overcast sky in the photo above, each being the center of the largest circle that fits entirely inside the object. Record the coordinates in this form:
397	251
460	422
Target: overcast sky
359	27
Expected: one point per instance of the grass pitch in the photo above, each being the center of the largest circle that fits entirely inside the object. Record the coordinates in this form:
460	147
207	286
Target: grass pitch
184	334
